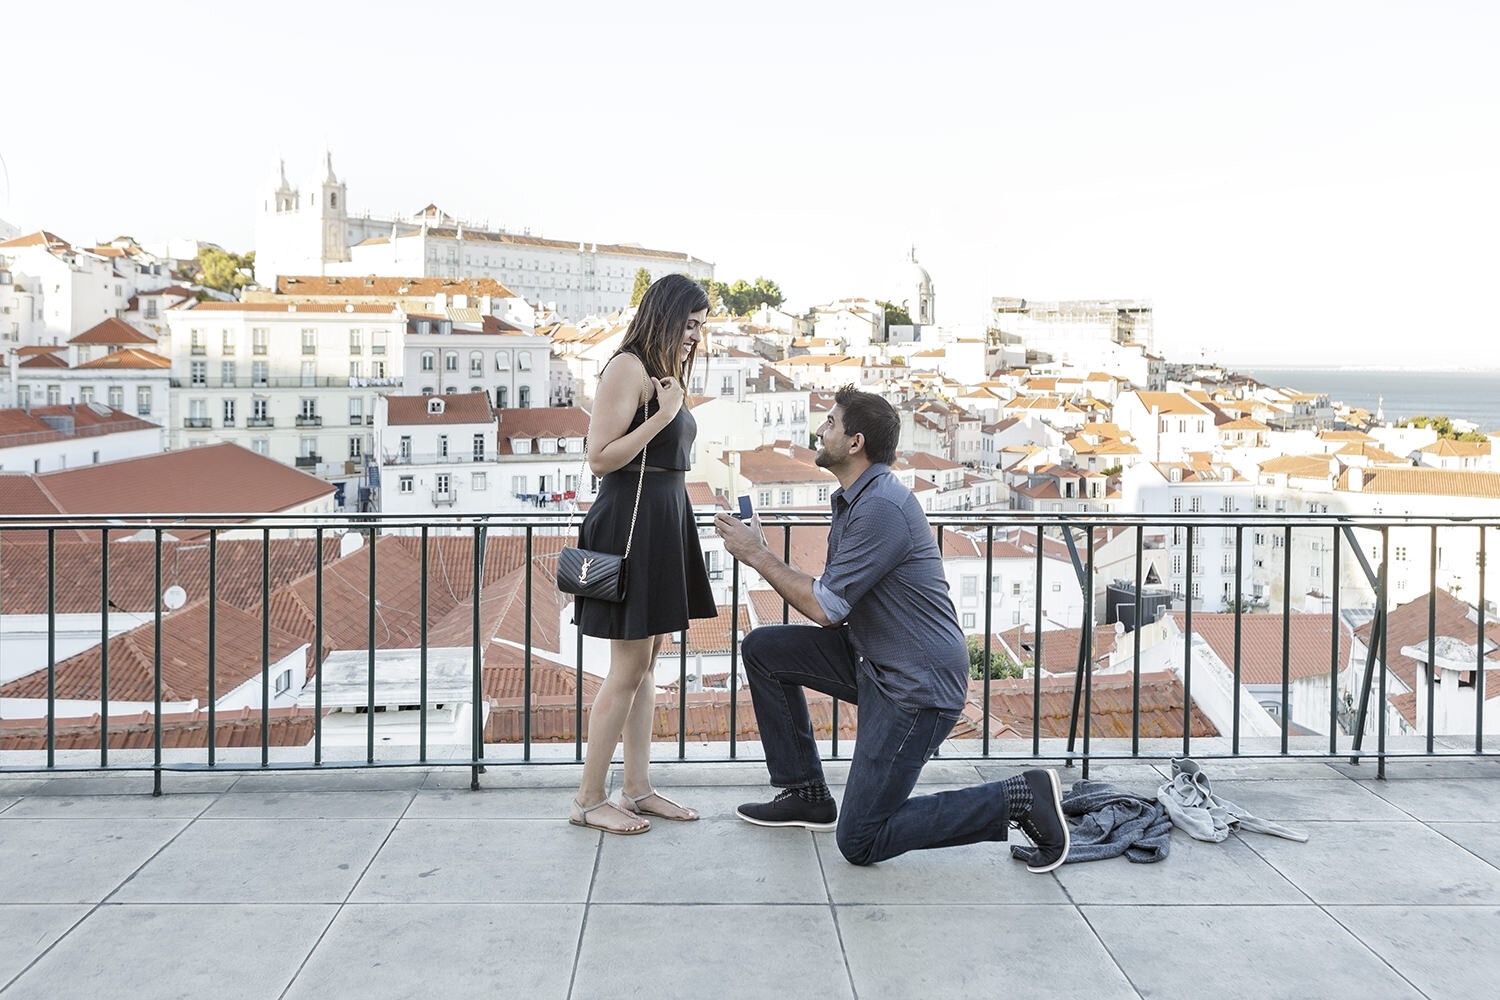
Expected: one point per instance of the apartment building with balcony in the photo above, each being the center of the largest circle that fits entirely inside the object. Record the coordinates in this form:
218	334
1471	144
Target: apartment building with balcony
297	383
437	454
110	364
463	350
1200	484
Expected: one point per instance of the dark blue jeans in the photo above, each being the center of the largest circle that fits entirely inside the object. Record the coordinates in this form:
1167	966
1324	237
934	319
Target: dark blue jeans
878	818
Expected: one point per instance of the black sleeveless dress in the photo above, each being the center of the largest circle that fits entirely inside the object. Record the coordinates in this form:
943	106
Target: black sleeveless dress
668	581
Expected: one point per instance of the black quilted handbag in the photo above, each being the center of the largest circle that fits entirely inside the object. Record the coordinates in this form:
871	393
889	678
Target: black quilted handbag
600	576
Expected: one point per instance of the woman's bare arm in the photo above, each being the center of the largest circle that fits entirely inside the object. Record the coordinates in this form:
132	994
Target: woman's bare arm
622	389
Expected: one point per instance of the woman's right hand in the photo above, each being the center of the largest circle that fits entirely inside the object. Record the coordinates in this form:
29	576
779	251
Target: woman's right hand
669	396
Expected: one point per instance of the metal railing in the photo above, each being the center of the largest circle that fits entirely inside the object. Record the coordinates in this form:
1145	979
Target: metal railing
1070	544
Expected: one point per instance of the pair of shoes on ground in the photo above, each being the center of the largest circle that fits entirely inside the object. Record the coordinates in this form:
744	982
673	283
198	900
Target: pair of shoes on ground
1043	821
637	807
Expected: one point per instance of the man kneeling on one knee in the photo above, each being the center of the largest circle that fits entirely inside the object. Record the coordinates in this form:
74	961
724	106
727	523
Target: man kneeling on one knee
891	644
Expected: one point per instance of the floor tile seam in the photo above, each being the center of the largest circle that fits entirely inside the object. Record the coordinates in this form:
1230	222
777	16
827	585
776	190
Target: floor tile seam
339	908
48	950
833	913
1461	847
1269	864
588	903
100	903
1372	950
1108	951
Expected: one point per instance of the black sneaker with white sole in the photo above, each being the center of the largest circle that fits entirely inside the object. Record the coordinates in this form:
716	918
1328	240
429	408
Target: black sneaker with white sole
791	809
1044	821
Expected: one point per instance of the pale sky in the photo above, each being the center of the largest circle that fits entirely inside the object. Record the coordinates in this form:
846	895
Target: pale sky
1292	183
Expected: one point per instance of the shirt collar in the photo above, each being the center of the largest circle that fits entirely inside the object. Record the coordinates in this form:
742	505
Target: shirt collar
865	479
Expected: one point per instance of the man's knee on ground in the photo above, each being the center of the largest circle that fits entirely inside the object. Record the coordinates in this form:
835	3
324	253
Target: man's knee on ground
857	846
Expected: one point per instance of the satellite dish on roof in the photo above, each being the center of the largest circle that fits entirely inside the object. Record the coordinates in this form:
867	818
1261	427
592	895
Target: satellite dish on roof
350	541
1119	627
173	597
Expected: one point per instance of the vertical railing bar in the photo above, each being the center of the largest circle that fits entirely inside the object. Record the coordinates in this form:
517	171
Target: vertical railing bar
155	670
317	650
734	664
1187	648
1333	669
578	691
1087	642
370	612
422	602
476	664
526	663
52	646
682	689
213	643
1135	670
989	611
1286	640
1385	562
1479	688
1239	623
1036	652
1432	667
265	647
104	655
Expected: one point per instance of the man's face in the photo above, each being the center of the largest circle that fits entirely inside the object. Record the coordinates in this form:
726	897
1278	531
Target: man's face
833	450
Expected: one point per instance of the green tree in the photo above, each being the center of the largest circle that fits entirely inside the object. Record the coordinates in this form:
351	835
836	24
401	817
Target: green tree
894	315
225	271
1001	665
1444	428
743	298
715	292
642	282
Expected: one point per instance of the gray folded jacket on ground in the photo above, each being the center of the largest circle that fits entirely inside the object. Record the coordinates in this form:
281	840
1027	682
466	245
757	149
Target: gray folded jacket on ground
1111	822
1191	803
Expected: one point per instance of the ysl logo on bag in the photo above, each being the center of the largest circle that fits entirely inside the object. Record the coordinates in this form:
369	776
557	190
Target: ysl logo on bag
583	571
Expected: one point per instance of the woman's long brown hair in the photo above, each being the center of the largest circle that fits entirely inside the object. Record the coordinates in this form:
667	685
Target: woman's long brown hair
655	334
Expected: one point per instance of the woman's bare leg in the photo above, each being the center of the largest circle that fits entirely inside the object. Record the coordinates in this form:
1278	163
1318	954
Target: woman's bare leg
637	735
629	663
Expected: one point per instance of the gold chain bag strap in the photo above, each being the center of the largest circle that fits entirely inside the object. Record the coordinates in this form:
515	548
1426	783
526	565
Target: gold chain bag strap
601	576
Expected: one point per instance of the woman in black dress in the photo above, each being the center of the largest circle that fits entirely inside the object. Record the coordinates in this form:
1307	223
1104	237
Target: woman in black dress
639	406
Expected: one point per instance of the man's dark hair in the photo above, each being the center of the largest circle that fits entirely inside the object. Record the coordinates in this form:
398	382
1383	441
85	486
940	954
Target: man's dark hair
868	414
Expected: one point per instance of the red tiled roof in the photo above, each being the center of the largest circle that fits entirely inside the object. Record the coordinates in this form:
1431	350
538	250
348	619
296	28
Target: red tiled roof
216	479
285	727
542	422
184	659
1011	705
1407	626
711	635
76	590
458	408
1311	644
130	357
379	287
112	331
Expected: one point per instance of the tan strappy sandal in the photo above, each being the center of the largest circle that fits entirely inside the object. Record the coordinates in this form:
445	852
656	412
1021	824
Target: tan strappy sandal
632	805
580	817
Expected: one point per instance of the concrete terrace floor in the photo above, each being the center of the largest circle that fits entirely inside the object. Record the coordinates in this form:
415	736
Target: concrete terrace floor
404	883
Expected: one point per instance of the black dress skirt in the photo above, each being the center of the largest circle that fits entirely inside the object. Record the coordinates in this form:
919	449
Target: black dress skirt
668	581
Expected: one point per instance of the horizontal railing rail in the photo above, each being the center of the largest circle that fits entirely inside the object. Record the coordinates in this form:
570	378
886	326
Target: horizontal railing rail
1070	561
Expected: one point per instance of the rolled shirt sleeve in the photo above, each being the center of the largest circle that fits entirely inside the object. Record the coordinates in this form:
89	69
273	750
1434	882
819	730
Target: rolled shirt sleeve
874	542
834	607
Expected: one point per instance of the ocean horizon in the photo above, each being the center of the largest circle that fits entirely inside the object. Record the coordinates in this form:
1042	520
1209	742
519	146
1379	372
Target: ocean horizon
1458	394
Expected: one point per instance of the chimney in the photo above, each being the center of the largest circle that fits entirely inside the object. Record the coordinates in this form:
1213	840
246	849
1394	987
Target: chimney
1356	480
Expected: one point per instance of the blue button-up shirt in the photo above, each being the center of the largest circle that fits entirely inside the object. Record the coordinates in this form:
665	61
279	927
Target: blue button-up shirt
884	579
